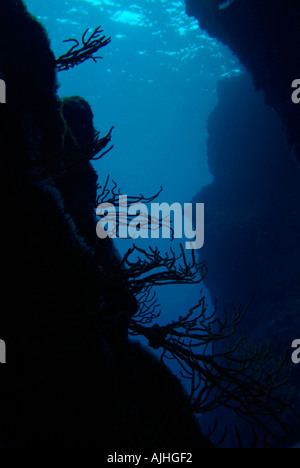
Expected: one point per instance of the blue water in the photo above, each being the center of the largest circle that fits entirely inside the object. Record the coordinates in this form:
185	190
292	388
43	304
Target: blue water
157	87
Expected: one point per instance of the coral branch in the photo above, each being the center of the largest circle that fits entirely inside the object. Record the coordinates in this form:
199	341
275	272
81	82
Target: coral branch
74	157
151	268
111	196
240	377
90	152
87	50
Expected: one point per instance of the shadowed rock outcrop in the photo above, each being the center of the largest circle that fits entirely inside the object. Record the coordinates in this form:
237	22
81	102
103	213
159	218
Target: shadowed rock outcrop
252	221
265	37
252	227
72	379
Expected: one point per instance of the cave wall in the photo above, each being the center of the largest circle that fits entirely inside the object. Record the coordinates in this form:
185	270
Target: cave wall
265	36
252	206
252	230
252	215
72	378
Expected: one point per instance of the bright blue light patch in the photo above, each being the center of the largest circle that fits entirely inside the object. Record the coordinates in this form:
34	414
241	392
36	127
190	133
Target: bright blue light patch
129	17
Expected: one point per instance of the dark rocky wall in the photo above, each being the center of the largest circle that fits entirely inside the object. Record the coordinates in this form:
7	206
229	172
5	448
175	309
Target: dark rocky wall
252	215
72	378
252	228
265	37
253	204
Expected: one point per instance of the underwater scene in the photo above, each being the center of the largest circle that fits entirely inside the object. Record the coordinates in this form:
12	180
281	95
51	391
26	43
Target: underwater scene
150	157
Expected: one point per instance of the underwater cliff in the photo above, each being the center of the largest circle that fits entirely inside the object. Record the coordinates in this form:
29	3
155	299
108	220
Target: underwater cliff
264	35
253	204
252	219
74	308
73	379
251	214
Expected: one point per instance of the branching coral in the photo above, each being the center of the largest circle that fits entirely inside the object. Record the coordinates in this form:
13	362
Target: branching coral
73	157
92	151
151	268
111	195
87	50
240	377
222	369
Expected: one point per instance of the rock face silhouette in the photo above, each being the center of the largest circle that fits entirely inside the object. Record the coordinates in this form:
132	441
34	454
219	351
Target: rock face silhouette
252	217
253	204
72	378
264	36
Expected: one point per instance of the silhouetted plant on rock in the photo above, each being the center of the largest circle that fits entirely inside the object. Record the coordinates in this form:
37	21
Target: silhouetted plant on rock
151	268
93	151
222	369
110	194
240	376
